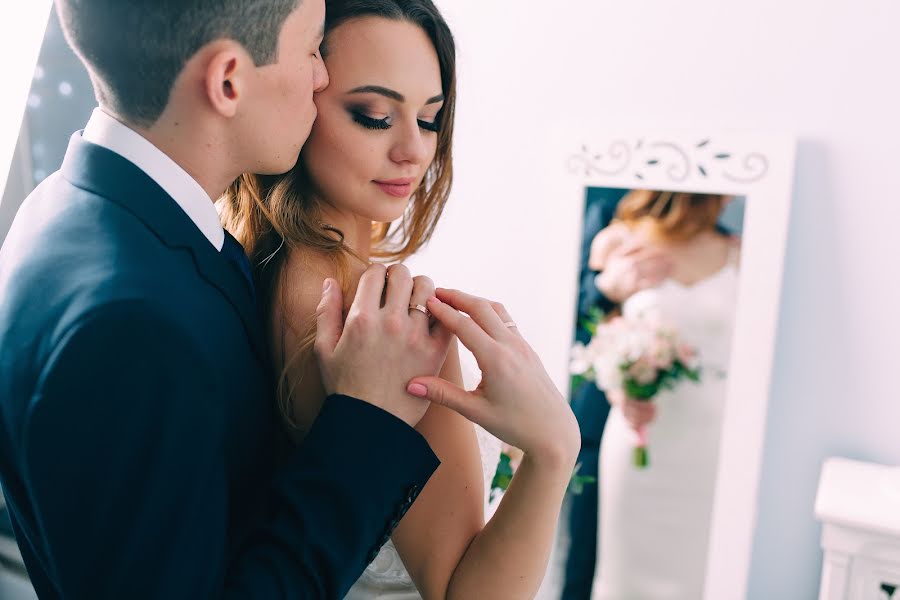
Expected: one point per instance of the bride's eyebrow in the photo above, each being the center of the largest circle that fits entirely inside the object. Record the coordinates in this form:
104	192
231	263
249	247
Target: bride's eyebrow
389	93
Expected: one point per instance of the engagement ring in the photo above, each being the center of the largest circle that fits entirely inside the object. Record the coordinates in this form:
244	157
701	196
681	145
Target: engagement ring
421	309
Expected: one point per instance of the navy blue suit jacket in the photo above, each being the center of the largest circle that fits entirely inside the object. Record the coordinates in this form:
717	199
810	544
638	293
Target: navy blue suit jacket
137	420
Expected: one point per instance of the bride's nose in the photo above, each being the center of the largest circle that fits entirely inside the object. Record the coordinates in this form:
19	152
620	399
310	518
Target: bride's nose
410	145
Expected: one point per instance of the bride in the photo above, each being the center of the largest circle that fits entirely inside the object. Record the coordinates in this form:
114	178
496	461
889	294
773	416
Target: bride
371	183
654	522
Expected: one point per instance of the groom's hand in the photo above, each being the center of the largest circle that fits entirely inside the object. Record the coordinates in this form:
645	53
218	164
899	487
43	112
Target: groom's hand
516	400
632	267
373	355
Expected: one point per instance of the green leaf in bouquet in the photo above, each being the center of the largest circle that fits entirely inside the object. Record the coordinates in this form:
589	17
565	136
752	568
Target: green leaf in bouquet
640	391
503	475
586	324
592	320
641	457
668	383
577	482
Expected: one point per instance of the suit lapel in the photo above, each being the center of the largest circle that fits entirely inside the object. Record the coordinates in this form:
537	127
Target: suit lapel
111	176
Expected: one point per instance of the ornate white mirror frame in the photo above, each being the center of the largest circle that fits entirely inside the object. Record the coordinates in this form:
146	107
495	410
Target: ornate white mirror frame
759	168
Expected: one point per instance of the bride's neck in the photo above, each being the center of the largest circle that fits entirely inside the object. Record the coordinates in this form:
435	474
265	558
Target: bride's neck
357	230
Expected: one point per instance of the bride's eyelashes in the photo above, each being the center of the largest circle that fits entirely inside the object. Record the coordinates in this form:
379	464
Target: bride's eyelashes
368	122
361	118
430	125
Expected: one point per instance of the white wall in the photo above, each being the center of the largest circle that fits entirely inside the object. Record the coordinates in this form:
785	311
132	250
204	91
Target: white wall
823	69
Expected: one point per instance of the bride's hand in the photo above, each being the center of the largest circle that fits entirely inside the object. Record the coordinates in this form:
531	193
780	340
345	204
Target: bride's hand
378	349
516	401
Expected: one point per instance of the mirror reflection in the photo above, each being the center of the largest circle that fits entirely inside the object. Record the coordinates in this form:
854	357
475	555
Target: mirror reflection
656	304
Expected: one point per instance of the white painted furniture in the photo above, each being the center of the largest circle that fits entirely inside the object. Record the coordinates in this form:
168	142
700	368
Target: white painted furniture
859	506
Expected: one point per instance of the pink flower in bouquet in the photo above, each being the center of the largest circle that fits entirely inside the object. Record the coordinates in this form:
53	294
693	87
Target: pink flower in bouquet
643	371
662	353
687	355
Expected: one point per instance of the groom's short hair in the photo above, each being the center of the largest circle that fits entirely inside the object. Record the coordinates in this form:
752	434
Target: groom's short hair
135	49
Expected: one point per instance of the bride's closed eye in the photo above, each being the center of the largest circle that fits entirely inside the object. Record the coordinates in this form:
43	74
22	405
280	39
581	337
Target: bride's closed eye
430	125
363	119
370	122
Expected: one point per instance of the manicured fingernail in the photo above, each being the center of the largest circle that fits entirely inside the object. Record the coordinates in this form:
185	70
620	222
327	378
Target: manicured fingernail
326	286
417	389
433	300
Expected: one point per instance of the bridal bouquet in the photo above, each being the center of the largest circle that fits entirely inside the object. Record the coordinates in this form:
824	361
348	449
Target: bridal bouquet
640	356
506	469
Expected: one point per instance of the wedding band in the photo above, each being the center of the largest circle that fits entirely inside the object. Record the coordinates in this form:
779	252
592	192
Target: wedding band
421	309
510	324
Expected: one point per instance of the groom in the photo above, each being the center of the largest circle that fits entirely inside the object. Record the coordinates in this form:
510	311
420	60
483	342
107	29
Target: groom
137	422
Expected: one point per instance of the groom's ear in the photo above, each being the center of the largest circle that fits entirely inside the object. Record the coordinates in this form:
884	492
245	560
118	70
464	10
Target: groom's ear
226	76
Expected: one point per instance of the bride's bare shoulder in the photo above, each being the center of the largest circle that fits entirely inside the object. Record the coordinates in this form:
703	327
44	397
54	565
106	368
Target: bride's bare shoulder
305	272
298	294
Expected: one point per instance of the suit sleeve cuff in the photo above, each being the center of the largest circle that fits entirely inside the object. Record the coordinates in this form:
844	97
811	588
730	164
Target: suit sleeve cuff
372	438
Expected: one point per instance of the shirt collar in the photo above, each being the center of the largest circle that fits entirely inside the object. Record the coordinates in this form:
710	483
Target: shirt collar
104	130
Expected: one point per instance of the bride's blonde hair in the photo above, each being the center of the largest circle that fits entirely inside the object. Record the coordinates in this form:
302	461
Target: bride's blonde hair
274	215
672	216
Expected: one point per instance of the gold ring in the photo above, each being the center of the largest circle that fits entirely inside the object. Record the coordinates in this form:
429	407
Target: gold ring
421	309
510	324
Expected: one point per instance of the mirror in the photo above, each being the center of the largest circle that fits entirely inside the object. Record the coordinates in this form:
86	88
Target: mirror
670	263
706	216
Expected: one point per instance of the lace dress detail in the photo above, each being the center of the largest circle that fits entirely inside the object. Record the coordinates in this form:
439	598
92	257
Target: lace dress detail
386	577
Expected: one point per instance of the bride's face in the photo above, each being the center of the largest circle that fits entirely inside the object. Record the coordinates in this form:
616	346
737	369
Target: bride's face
375	136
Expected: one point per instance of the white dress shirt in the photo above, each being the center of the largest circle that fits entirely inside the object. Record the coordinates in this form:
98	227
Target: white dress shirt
104	130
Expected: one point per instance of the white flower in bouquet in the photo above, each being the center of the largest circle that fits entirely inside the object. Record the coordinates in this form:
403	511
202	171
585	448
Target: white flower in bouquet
580	361
662	354
642	371
638	355
609	372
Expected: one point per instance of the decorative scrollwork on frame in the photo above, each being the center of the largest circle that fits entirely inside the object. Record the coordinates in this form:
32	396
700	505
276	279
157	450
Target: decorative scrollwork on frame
678	162
678	168
613	162
755	166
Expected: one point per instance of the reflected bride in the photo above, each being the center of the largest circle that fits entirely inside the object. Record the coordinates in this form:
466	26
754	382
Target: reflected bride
655	523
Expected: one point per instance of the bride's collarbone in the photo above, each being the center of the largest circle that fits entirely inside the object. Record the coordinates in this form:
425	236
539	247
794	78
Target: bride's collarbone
696	265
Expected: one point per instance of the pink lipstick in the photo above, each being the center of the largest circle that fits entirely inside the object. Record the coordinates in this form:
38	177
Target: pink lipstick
398	188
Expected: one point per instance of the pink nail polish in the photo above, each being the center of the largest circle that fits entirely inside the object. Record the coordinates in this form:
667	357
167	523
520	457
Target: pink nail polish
417	389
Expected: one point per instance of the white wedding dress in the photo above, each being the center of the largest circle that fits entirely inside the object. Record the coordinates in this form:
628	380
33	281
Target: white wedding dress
386	578
654	522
